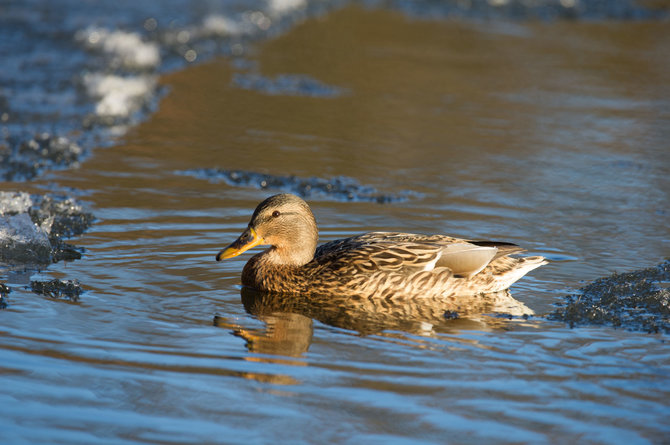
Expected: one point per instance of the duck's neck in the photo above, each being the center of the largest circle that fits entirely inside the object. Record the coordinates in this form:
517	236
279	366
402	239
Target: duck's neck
290	257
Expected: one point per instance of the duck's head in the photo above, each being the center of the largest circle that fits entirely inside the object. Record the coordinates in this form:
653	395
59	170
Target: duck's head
284	222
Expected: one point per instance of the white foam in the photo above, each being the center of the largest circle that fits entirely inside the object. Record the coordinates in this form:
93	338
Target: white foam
14	202
285	6
220	25
125	48
119	96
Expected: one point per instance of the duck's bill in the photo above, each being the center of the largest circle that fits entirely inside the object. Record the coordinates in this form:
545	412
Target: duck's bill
246	241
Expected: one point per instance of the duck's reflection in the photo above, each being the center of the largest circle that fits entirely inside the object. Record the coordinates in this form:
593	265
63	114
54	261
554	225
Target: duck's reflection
289	319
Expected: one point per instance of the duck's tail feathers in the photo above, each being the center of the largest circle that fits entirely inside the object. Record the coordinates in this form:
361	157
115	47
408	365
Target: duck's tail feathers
508	270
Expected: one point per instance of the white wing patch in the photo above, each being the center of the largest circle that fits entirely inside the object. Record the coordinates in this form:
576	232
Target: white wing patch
466	259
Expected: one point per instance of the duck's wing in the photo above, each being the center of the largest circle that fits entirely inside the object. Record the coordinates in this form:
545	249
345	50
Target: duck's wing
504	248
405	252
466	259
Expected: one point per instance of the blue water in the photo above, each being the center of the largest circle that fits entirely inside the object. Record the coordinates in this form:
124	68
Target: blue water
514	123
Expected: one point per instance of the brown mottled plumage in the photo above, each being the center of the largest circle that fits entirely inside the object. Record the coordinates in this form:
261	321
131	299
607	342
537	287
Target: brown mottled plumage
371	265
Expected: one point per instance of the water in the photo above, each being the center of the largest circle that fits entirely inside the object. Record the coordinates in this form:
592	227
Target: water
552	135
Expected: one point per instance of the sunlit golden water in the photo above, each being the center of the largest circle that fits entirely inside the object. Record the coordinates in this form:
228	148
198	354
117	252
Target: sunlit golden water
550	135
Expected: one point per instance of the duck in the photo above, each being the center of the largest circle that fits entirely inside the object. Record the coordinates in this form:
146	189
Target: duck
372	265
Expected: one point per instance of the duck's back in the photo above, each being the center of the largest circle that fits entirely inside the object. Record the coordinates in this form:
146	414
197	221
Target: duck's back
412	265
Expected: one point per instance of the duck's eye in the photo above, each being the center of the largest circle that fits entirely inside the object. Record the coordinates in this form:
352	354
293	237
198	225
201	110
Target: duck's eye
276	214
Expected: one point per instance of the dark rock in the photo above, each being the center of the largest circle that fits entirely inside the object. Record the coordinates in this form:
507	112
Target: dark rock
638	300
32	228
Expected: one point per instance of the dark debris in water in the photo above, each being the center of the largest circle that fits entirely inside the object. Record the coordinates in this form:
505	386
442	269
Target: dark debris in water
4	292
25	159
340	188
450	315
638	301
57	289
508	316
286	84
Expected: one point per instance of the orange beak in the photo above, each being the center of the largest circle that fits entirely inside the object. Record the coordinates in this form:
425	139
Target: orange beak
246	241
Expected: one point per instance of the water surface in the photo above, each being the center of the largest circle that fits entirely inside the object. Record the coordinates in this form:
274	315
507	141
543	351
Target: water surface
552	135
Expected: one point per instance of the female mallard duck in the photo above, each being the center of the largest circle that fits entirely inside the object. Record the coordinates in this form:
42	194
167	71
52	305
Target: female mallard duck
375	264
